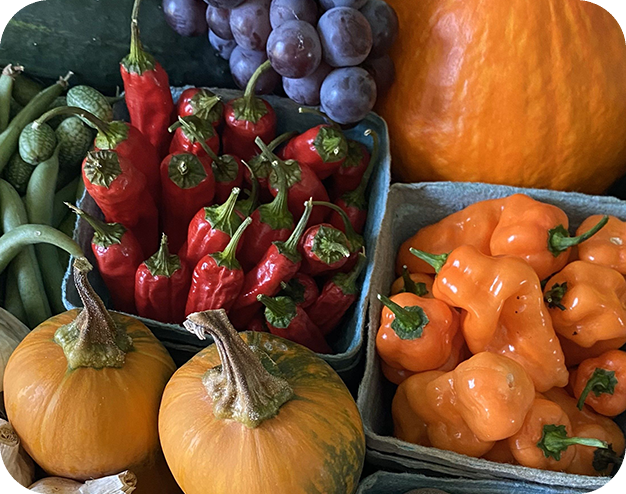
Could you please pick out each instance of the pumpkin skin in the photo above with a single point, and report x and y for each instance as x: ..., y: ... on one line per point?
x: 527, y: 92
x: 314, y: 445
x: 88, y: 423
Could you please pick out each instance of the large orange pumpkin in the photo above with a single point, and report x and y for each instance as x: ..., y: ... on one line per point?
x: 257, y: 414
x: 82, y: 391
x: 519, y: 92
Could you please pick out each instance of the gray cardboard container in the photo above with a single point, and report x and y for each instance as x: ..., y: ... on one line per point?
x: 401, y: 483
x: 346, y: 341
x: 411, y: 207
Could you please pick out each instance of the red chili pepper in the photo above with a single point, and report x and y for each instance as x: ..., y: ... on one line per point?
x: 161, y: 286
x: 287, y: 320
x: 354, y: 203
x: 118, y: 254
x: 302, y: 289
x: 147, y: 89
x: 323, y: 249
x: 270, y: 223
x: 187, y: 185
x: 323, y: 148
x: 247, y: 118
x: 217, y: 278
x: 338, y: 295
x: 121, y: 192
x: 262, y: 167
x: 349, y: 175
x: 187, y: 143
x: 302, y: 183
x: 201, y: 103
x: 258, y: 324
x: 210, y: 230
x: 280, y: 263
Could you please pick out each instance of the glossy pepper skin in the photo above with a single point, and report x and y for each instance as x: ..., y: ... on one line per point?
x: 587, y: 303
x: 286, y: 319
x: 323, y: 148
x: 161, y: 287
x: 302, y: 289
x: 247, y: 118
x: 187, y: 143
x: 118, y: 254
x: 416, y: 334
x: 217, y: 278
x: 279, y: 264
x: 575, y: 354
x: 121, y: 192
x: 350, y: 174
x: 262, y: 166
x: 147, y: 89
x: 201, y: 103
x: 606, y: 248
x: 601, y: 383
x: 187, y: 185
x: 210, y: 230
x: 337, y: 296
x: 501, y: 296
x: 323, y: 249
x: 545, y: 440
x: 536, y: 232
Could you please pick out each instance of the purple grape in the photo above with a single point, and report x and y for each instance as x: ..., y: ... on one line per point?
x: 225, y: 4
x: 223, y: 47
x: 346, y: 37
x: 348, y: 95
x: 243, y: 63
x: 306, y: 91
x: 294, y: 49
x: 292, y: 10
x: 384, y: 23
x: 219, y: 22
x: 250, y: 24
x: 331, y: 4
x: 186, y: 17
x: 383, y: 71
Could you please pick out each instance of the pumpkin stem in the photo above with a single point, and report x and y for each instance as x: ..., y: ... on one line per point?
x: 246, y: 387
x: 93, y: 339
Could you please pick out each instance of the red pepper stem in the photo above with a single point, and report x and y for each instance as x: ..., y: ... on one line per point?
x: 271, y: 304
x: 280, y: 140
x: 319, y: 113
x: 601, y: 382
x: 246, y: 206
x: 137, y: 60
x: 347, y: 282
x: 228, y: 257
x: 559, y: 239
x: 355, y: 240
x: 225, y: 211
x: 280, y: 311
x: 163, y: 263
x: 106, y: 234
x: 101, y: 125
x: 279, y: 207
x: 434, y: 260
x: 249, y: 94
x: 266, y: 152
x: 291, y: 245
x: 190, y: 131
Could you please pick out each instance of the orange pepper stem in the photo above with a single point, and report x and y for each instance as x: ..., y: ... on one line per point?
x: 434, y: 260
x: 409, y: 322
x: 559, y: 239
x: 410, y: 286
x: 554, y: 441
x: 555, y: 295
x: 601, y: 382
x: 602, y: 458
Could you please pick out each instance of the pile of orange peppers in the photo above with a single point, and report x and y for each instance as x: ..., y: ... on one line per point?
x: 503, y: 334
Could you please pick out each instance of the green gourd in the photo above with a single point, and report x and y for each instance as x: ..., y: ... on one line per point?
x: 75, y: 140
x: 93, y: 101
x: 17, y: 173
x: 37, y: 143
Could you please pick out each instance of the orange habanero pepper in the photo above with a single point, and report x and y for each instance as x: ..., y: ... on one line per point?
x: 501, y: 453
x: 545, y: 438
x: 608, y: 247
x: 505, y: 313
x: 601, y: 383
x: 575, y: 354
x: 587, y: 303
x: 421, y: 284
x: 416, y: 333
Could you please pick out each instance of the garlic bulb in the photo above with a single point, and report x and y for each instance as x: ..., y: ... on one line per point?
x: 12, y: 331
x: 122, y: 483
x: 17, y: 462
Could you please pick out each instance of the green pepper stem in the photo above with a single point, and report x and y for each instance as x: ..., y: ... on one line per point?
x: 554, y: 296
x: 554, y: 441
x: 409, y: 322
x: 246, y: 206
x: 559, y: 239
x: 373, y: 159
x: 250, y: 108
x: 105, y: 234
x: 191, y: 131
x: 601, y: 382
x: 280, y: 140
x: 137, y: 60
x: 249, y: 93
x: 273, y: 305
x: 356, y: 241
x: 319, y: 113
x: 266, y: 152
x: 227, y: 258
x: 602, y: 458
x: 278, y: 210
x: 291, y: 245
x: 163, y: 263
x: 225, y: 211
x: 434, y: 260
x: 347, y: 281
x: 410, y: 286
x: 101, y: 125
x: 203, y: 132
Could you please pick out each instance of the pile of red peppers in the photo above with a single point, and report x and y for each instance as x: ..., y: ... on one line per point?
x: 207, y: 208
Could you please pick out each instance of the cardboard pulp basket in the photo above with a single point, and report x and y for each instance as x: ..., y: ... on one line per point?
x: 411, y: 207
x: 347, y: 340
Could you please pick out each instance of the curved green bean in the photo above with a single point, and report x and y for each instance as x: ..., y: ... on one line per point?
x: 13, y: 301
x: 7, y: 78
x: 66, y: 194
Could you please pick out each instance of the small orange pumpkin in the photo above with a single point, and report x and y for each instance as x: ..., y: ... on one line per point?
x: 526, y: 92
x: 271, y: 418
x: 82, y: 391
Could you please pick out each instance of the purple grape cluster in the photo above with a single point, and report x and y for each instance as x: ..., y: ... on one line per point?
x: 331, y: 53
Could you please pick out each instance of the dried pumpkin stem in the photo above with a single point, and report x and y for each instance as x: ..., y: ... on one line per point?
x: 242, y: 388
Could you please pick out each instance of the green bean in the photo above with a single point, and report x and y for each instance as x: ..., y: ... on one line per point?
x: 66, y: 194
x: 9, y: 73
x: 29, y: 279
x: 25, y: 89
x: 40, y: 207
x: 12, y: 242
x: 13, y: 301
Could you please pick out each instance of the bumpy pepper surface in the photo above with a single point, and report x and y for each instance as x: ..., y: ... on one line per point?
x: 607, y: 247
